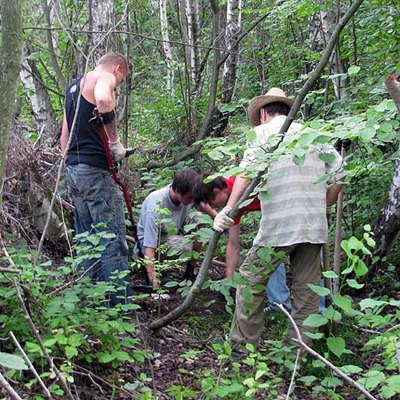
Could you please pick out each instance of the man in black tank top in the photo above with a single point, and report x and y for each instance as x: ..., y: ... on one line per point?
x: 98, y: 200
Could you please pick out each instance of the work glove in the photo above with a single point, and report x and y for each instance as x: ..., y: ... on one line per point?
x: 118, y: 150
x: 160, y: 296
x: 222, y: 221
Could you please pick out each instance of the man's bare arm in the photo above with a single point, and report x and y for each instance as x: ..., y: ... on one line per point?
x: 149, y: 256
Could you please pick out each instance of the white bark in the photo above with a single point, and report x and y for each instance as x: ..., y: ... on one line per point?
x: 42, y: 108
x: 191, y: 8
x: 232, y: 30
x: 328, y: 22
x: 102, y: 19
x: 166, y: 43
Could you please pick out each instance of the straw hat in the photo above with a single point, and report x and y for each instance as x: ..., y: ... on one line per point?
x: 273, y: 95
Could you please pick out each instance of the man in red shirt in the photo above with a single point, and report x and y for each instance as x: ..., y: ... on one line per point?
x: 215, y: 194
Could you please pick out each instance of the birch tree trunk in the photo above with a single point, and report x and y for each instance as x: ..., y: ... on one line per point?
x: 10, y: 58
x: 192, y: 17
x: 101, y: 19
x: 232, y: 46
x: 387, y: 224
x: 328, y: 21
x: 166, y: 43
x: 46, y: 123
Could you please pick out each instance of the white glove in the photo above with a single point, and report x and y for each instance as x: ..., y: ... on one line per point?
x: 222, y: 221
x: 118, y: 150
x: 160, y: 296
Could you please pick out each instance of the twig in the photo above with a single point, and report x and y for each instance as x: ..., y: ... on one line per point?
x: 299, y: 340
x: 31, y: 367
x: 35, y: 331
x: 10, y: 270
x: 296, y: 364
x: 7, y: 387
x: 59, y: 289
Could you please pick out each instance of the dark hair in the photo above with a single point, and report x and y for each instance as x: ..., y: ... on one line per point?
x: 184, y: 181
x: 277, y: 107
x: 204, y: 192
x: 114, y: 59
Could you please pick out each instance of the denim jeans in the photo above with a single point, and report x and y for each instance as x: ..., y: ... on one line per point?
x: 98, y: 199
x: 277, y: 289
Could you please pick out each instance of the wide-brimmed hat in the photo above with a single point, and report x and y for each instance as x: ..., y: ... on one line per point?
x: 273, y: 95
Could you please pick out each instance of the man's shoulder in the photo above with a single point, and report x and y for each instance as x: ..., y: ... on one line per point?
x: 156, y: 195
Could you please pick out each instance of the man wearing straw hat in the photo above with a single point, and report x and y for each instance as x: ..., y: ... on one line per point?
x: 293, y: 217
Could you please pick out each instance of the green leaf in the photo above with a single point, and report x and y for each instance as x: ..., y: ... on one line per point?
x: 343, y: 302
x: 321, y: 291
x: 251, y: 135
x: 353, y: 70
x: 354, y: 284
x: 372, y: 379
x: 330, y: 274
x: 336, y: 345
x: 315, y: 320
x: 350, y: 369
x: 371, y: 303
x: 332, y: 314
x: 327, y: 158
x: 12, y: 361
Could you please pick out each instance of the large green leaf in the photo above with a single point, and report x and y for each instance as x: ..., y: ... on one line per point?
x: 336, y: 345
x: 12, y: 361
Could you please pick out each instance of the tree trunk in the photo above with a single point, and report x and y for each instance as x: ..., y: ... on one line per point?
x: 46, y: 123
x: 10, y: 58
x: 166, y: 43
x: 387, y: 224
x: 101, y: 19
x: 328, y: 20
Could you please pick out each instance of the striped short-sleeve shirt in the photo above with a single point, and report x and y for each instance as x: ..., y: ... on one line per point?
x: 295, y: 208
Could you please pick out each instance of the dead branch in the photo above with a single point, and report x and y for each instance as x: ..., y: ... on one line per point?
x: 46, y: 355
x: 7, y: 387
x: 10, y: 270
x: 30, y: 365
x: 198, y: 284
x: 309, y: 350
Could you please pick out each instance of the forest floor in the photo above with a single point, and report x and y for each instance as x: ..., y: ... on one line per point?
x: 185, y: 355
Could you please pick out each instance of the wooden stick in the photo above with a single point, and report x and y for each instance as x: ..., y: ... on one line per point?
x: 299, y: 340
x: 7, y: 387
x: 30, y: 365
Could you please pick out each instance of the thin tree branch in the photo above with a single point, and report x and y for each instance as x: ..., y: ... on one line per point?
x: 7, y: 387
x: 46, y: 355
x: 30, y: 365
x: 299, y: 341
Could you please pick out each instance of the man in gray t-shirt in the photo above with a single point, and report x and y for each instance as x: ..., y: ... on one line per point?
x: 152, y: 228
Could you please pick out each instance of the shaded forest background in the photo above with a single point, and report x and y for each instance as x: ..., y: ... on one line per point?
x: 195, y: 65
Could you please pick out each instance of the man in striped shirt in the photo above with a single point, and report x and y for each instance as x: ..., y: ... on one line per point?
x: 293, y: 216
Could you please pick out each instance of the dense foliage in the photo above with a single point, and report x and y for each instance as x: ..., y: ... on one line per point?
x: 190, y: 102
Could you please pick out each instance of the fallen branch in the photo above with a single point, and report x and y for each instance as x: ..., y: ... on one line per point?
x: 309, y: 350
x: 10, y: 271
x: 198, y: 284
x: 46, y: 355
x: 30, y: 365
x: 7, y: 387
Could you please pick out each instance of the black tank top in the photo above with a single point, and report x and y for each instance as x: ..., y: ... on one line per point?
x: 86, y: 146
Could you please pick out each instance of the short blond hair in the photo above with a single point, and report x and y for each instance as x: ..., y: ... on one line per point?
x: 114, y: 59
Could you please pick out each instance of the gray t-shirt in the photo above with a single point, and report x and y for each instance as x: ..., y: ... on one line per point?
x: 151, y: 229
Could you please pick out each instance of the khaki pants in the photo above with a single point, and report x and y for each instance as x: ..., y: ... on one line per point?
x: 248, y: 320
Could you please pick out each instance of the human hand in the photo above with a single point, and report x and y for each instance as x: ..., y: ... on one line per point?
x: 118, y: 150
x: 222, y: 221
x: 160, y: 296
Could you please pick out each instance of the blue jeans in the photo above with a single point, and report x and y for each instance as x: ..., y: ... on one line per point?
x: 278, y: 291
x: 98, y: 199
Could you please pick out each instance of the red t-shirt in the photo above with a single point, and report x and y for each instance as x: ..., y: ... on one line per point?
x: 253, y: 206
